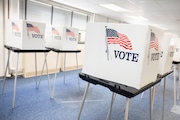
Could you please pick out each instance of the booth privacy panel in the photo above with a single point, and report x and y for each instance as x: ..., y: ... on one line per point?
x: 62, y: 38
x: 176, y: 56
x: 122, y: 53
x: 24, y: 34
x: 166, y: 53
x: 54, y: 36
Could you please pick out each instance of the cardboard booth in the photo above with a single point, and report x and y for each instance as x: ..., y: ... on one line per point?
x: 70, y: 38
x: 54, y: 36
x: 65, y: 38
x: 123, y: 53
x: 176, y: 56
x: 166, y: 53
x: 24, y: 34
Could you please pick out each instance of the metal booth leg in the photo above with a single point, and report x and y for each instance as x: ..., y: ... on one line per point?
x: 164, y: 94
x: 54, y: 84
x: 110, y: 109
x: 64, y: 66
x: 42, y: 69
x: 153, y: 95
x: 179, y: 83
x: 77, y: 70
x: 83, y: 100
x: 45, y: 62
x: 6, y: 72
x: 127, y: 109
x: 150, y: 105
x: 36, y: 68
x: 45, y: 59
x: 174, y: 85
x: 15, y: 80
x: 142, y: 94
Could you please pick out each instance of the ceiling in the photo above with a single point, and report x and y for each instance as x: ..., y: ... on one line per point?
x: 161, y: 13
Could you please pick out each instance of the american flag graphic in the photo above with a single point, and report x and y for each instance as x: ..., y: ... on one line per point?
x: 172, y: 47
x: 55, y: 32
x: 30, y: 27
x: 69, y: 33
x: 15, y: 27
x: 113, y: 37
x: 154, y: 41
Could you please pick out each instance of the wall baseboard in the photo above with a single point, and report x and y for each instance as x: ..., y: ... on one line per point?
x: 32, y: 74
x: 72, y: 68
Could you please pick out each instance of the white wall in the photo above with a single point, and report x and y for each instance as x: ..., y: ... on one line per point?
x: 14, y: 14
x: 1, y: 38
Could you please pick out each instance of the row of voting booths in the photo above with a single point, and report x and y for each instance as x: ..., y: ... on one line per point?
x: 127, y: 59
x: 132, y: 55
x: 121, y: 54
x: 24, y: 34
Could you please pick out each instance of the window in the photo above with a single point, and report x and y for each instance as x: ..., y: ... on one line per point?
x: 112, y: 21
x: 79, y: 21
x: 37, y: 11
x: 99, y: 18
x: 61, y: 17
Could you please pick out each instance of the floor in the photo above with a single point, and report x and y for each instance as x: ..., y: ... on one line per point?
x: 35, y: 104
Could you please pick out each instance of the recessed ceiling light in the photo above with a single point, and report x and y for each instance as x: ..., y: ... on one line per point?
x: 113, y: 7
x: 138, y: 18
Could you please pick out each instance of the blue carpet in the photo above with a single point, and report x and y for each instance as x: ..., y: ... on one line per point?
x: 35, y: 104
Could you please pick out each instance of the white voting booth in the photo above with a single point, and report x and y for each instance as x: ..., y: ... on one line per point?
x: 122, y: 53
x: 54, y: 36
x: 176, y: 59
x: 24, y: 34
x: 176, y: 56
x: 62, y: 38
x: 166, y: 53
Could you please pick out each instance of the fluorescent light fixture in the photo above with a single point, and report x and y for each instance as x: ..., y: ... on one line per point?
x: 40, y: 2
x: 138, y: 18
x: 113, y: 7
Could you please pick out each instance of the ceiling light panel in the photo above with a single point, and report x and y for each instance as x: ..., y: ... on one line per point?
x: 113, y: 7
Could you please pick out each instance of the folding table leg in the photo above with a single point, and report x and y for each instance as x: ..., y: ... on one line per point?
x: 45, y: 62
x: 42, y: 69
x: 174, y: 85
x: 64, y: 66
x: 110, y: 109
x: 153, y: 95
x: 45, y: 59
x: 83, y: 100
x: 77, y: 70
x: 36, y: 68
x: 164, y: 94
x: 54, y: 84
x: 127, y: 109
x: 142, y: 94
x: 15, y: 80
x: 6, y: 71
x: 150, y: 105
x: 179, y: 83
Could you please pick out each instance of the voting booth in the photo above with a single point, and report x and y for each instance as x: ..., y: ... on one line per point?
x: 70, y: 37
x: 176, y: 56
x: 62, y: 38
x: 24, y: 34
x: 54, y: 37
x: 122, y: 53
x: 166, y: 53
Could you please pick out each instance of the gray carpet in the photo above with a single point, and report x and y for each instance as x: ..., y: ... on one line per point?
x: 35, y: 104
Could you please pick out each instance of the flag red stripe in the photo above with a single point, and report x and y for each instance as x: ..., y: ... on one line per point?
x: 154, y: 44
